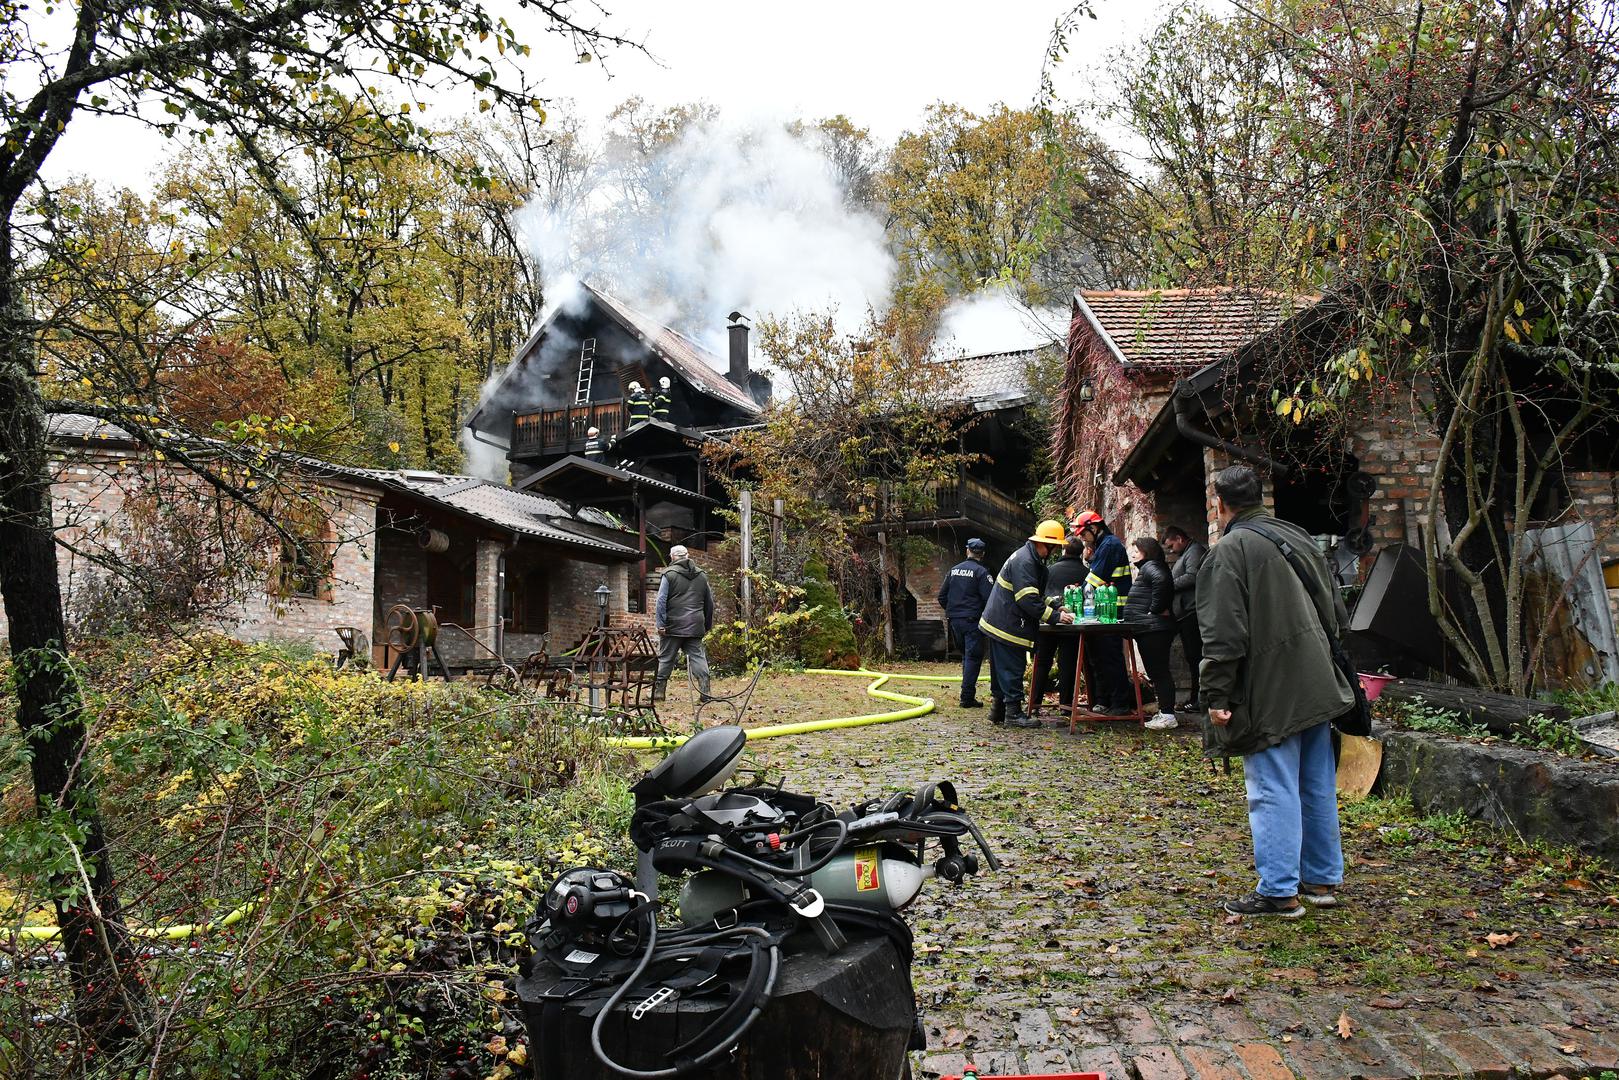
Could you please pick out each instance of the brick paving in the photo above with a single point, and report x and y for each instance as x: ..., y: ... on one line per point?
x: 1100, y: 947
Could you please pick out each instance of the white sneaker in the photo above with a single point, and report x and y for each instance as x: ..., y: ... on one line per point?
x: 1162, y: 722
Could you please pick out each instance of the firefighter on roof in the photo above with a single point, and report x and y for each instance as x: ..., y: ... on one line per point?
x: 640, y: 403
x: 661, y: 403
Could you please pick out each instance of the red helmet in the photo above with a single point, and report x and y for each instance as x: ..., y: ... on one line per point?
x: 1086, y: 518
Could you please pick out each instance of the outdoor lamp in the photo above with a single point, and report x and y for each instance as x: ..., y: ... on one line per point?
x: 602, y: 593
x: 1086, y: 391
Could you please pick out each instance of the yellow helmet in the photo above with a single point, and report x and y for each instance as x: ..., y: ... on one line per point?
x: 1049, y: 532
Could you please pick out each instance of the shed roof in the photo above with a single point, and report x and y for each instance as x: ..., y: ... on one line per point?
x: 1181, y: 330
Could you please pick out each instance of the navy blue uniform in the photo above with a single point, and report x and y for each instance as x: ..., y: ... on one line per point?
x: 1110, y: 565
x: 963, y: 595
x: 1016, y: 609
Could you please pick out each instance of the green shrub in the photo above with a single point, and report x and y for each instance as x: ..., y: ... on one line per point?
x: 829, y: 640
x: 1418, y: 715
x: 375, y: 849
x: 1544, y: 733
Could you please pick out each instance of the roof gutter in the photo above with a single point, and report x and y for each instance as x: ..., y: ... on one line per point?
x: 1194, y: 434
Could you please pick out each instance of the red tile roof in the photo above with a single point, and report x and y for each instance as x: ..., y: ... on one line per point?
x: 1184, y: 329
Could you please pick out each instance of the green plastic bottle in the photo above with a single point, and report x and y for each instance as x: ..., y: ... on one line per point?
x: 1112, y: 603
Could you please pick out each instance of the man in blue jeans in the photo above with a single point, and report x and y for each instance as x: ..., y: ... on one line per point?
x: 1273, y: 691
x: 962, y: 596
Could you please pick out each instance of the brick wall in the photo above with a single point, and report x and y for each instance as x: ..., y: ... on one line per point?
x: 89, y: 509
x: 1398, y: 447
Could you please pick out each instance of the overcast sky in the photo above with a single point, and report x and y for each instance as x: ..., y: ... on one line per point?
x: 880, y: 63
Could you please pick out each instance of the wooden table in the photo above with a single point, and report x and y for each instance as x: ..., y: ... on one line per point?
x: 1127, y: 633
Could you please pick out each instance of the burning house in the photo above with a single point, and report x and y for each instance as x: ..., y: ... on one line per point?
x: 561, y: 412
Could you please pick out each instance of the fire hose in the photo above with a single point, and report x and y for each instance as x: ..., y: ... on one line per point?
x: 914, y: 707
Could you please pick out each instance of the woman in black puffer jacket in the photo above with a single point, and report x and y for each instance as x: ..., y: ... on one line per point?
x: 1146, y: 609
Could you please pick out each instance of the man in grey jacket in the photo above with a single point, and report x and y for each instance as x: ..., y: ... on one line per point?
x: 1273, y: 691
x: 1183, y: 609
x: 685, y: 614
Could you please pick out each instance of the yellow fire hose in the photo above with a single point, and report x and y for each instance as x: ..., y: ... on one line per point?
x: 151, y: 933
x: 914, y: 707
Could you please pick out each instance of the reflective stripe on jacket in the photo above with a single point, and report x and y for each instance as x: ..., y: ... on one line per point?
x: 1018, y: 603
x: 1110, y: 565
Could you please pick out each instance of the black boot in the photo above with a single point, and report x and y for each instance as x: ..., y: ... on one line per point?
x: 1016, y: 717
x: 997, y: 711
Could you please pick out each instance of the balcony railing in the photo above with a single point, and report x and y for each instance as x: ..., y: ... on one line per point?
x: 971, y: 501
x: 563, y: 431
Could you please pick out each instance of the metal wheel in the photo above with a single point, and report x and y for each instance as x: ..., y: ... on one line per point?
x: 402, y: 627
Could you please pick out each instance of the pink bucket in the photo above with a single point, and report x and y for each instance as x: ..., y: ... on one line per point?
x: 1373, y: 684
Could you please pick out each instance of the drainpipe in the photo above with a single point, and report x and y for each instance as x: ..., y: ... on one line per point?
x: 1183, y: 424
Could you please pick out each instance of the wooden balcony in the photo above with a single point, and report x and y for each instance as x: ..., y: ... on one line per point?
x: 563, y: 431
x: 969, y: 503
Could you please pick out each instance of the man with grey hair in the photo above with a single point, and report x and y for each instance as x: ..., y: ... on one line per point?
x: 1273, y: 690
x: 685, y: 614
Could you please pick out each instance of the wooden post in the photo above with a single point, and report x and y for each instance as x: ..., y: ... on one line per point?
x: 779, y: 515
x: 745, y: 509
x: 882, y: 575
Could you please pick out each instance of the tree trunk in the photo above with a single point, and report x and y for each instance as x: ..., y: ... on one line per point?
x: 108, y: 987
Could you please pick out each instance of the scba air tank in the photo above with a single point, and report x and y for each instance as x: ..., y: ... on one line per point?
x: 871, y: 878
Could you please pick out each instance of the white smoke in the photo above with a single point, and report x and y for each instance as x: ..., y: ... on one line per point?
x: 746, y: 218
x: 995, y: 320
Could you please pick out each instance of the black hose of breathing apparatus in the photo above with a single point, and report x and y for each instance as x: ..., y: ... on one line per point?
x: 753, y: 996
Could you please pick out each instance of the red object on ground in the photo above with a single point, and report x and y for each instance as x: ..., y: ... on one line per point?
x: 1029, y: 1076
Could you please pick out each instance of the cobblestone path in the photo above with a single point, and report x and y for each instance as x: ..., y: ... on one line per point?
x: 1101, y: 946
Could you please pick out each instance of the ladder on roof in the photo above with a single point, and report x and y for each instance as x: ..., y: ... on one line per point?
x: 587, y: 367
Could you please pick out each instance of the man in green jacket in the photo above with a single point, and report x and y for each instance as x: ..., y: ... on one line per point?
x: 1272, y: 691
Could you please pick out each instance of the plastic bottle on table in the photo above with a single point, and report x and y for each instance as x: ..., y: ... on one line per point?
x: 1088, y: 609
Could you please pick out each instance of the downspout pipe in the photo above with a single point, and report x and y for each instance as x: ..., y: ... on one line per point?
x: 1192, y: 433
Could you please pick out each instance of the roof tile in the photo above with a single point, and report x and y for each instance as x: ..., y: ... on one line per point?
x: 1184, y: 329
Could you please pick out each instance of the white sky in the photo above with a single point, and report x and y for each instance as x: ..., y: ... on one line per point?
x: 880, y: 63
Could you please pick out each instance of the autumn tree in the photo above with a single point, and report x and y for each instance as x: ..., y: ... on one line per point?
x: 862, y: 437
x: 243, y: 72
x: 970, y: 201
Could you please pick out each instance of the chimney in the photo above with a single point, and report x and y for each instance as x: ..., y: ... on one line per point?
x: 739, y: 350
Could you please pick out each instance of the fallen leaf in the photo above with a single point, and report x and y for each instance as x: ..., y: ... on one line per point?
x: 1233, y: 920
x: 1501, y: 941
x: 1229, y: 997
x: 1345, y: 1028
x: 1570, y: 1048
x: 1287, y: 1038
x: 953, y: 1038
x: 1111, y: 949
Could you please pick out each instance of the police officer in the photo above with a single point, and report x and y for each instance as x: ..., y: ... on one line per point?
x: 640, y: 404
x: 1017, y: 606
x: 963, y: 594
x: 593, y: 444
x: 1110, y: 565
x: 661, y: 403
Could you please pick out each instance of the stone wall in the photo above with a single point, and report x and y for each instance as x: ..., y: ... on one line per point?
x: 1535, y: 794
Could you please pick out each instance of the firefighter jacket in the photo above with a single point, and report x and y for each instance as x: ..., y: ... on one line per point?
x: 640, y: 407
x: 660, y: 405
x: 1018, y: 604
x: 966, y: 590
x: 1110, y: 565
